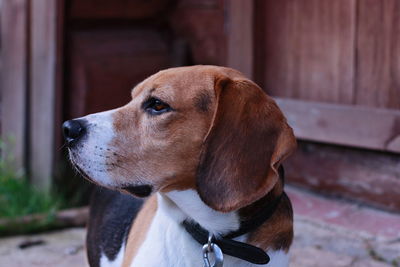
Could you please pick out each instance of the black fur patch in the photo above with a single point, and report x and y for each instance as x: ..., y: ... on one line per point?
x: 111, y: 217
x: 139, y: 190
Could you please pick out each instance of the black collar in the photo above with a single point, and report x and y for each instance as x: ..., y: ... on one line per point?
x: 234, y: 248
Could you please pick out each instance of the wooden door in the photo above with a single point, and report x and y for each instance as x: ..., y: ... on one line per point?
x: 334, y: 69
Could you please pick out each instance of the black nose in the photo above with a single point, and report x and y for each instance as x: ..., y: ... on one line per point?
x: 73, y: 130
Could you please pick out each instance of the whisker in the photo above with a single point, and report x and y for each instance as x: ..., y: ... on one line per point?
x: 64, y: 145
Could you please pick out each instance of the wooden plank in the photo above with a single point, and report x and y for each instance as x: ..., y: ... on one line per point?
x: 369, y: 177
x: 356, y: 126
x: 309, y: 49
x: 43, y: 22
x: 117, y: 9
x: 75, y: 217
x: 240, y: 36
x: 378, y: 54
x: 13, y: 81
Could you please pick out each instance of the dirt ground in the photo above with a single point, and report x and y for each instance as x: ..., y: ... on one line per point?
x: 317, y: 243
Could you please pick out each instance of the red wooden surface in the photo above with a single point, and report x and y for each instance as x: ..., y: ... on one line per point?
x: 106, y: 65
x: 329, y: 51
x: 117, y: 9
x: 343, y: 53
x: 378, y: 54
x: 344, y: 124
x: 201, y: 25
x: 305, y: 49
x: 239, y: 30
x: 110, y: 50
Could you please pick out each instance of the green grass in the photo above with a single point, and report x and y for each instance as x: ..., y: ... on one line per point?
x: 19, y: 198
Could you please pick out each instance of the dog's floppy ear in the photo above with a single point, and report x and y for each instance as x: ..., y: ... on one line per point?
x: 247, y: 141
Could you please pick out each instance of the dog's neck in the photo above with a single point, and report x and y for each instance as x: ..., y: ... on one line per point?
x: 186, y: 204
x: 181, y: 205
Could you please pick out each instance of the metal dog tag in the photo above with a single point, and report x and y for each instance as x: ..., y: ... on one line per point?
x: 211, y: 247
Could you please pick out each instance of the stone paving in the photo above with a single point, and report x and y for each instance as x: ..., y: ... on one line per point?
x: 319, y: 244
x: 322, y: 239
x: 62, y: 249
x: 337, y: 233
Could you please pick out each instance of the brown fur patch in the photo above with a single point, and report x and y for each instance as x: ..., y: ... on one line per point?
x: 139, y: 229
x: 277, y: 232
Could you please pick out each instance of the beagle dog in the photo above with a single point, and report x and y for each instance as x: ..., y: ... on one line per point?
x: 200, y: 148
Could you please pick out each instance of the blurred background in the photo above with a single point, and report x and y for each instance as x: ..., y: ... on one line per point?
x: 333, y: 67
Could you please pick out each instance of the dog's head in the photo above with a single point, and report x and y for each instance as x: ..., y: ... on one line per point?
x: 203, y: 127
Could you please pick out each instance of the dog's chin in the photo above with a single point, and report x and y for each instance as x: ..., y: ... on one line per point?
x: 138, y: 190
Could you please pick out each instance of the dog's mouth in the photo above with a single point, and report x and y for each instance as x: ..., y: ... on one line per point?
x: 138, y: 190
x: 141, y: 191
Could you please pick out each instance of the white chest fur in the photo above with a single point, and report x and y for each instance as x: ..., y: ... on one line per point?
x: 168, y: 245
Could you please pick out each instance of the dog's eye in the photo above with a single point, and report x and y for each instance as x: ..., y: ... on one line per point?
x: 155, y: 106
